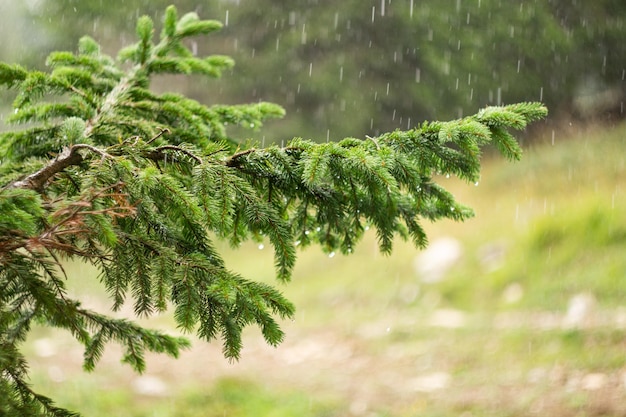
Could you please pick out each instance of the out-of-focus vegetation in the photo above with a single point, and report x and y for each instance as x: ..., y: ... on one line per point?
x: 362, y: 67
x: 530, y: 319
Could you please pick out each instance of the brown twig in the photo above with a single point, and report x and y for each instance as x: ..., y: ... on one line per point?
x: 222, y: 149
x: 37, y: 180
x: 158, y: 135
x: 68, y: 157
x: 232, y: 161
x: 157, y: 152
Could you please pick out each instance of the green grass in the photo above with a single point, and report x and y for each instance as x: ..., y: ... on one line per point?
x: 555, y: 227
x: 233, y: 397
x: 555, y: 259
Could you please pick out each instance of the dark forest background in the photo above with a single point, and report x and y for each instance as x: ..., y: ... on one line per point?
x: 358, y: 67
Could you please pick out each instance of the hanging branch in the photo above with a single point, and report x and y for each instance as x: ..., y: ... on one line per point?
x: 151, y: 232
x: 68, y: 157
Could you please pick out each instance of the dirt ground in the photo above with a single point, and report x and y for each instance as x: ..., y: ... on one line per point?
x: 376, y: 367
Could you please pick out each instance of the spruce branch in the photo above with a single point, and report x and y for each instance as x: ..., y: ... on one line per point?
x: 162, y: 131
x: 157, y: 154
x: 150, y: 229
x: 68, y: 157
x: 232, y: 160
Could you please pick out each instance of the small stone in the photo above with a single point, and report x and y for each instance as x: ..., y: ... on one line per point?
x: 579, y: 310
x: 513, y: 293
x: 593, y: 382
x: 431, y: 382
x: 45, y: 347
x: 150, y: 386
x: 434, y: 262
x: 448, y: 318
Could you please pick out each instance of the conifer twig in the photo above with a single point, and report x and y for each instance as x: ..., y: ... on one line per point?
x: 373, y: 140
x: 159, y: 151
x: 68, y: 157
x: 232, y: 160
x: 158, y: 135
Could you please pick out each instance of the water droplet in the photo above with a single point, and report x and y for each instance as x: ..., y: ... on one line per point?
x: 367, y: 228
x: 317, y: 229
x: 261, y: 246
x: 331, y: 255
x: 306, y: 232
x: 451, y: 208
x: 297, y: 242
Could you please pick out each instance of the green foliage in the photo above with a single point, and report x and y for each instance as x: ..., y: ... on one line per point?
x: 140, y: 184
x: 236, y: 397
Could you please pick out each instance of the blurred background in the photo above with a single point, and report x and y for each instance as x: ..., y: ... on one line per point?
x: 520, y: 311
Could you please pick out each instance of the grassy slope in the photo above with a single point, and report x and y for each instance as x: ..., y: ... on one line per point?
x: 546, y: 229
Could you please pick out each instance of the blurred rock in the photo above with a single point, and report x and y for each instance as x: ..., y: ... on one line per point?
x: 430, y: 382
x: 620, y: 317
x: 432, y: 264
x: 448, y: 318
x: 593, y: 382
x: 579, y: 310
x: 150, y: 386
x: 45, y: 347
x: 513, y: 293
